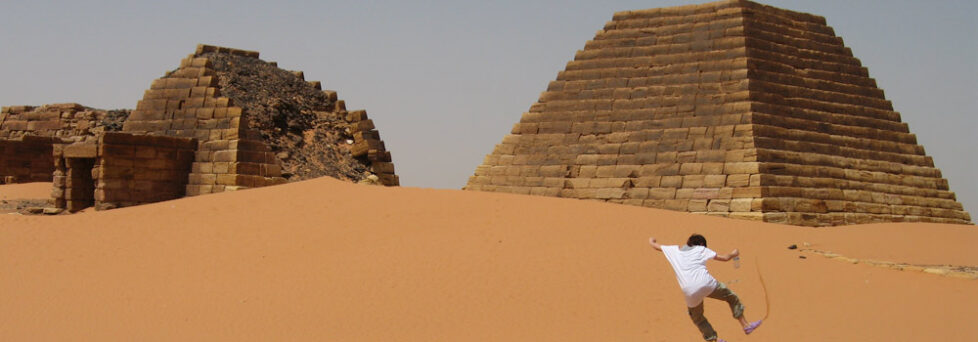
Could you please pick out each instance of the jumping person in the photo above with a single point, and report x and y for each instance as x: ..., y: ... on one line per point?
x: 689, y: 263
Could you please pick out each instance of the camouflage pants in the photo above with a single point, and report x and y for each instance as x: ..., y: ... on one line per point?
x: 722, y: 293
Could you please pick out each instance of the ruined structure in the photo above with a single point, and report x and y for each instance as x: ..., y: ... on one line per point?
x: 28, y: 134
x: 224, y: 120
x: 730, y: 108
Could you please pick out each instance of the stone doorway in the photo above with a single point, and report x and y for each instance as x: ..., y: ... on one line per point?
x: 79, y: 184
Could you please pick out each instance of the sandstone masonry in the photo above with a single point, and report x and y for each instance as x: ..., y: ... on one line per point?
x: 731, y: 109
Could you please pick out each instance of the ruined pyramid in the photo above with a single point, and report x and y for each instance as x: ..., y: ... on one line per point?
x: 257, y: 124
x: 223, y: 120
x: 730, y: 108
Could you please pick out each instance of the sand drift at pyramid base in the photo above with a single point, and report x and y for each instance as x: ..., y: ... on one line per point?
x: 730, y: 108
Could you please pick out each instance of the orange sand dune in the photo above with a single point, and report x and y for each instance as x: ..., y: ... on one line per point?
x: 39, y: 190
x: 326, y: 260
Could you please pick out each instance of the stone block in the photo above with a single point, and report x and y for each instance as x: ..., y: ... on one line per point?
x: 714, y: 180
x: 553, y: 171
x: 54, y: 124
x: 741, y: 168
x: 671, y: 181
x: 647, y: 182
x: 752, y: 216
x: 382, y: 167
x: 719, y: 205
x: 735, y: 181
x: 747, y: 192
x: 80, y: 150
x: 606, y: 171
x: 220, y: 167
x: 705, y: 193
x: 610, y: 193
x: 638, y: 193
x: 758, y: 180
x: 696, y: 205
x: 686, y: 157
x: 610, y: 183
x: 740, y: 204
x: 229, y: 156
x: 676, y: 204
x: 361, y: 126
x: 356, y: 116
x: 662, y: 193
x: 362, y: 147
x: 693, y: 181
x: 684, y: 193
x: 626, y: 171
x: 250, y: 168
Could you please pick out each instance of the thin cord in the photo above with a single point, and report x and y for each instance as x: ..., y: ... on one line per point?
x: 767, y: 302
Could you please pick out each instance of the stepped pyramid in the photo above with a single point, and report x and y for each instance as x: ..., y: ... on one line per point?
x: 258, y: 125
x: 730, y: 108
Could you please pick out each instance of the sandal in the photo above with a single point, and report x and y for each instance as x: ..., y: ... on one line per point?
x: 751, y: 327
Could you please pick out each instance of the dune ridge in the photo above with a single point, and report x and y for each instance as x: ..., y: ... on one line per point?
x: 328, y: 260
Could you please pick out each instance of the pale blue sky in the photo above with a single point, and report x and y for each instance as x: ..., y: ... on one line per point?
x: 445, y: 80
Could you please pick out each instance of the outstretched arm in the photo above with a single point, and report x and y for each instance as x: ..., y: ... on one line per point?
x: 655, y: 245
x: 726, y: 257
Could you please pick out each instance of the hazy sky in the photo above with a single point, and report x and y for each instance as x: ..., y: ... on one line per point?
x: 444, y: 81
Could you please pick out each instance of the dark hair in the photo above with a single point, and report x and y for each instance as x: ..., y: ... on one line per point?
x: 696, y: 240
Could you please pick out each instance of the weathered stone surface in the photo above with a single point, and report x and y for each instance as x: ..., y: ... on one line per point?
x: 258, y: 125
x: 737, y: 109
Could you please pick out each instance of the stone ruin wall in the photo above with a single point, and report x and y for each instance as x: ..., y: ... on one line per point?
x: 730, y: 109
x: 121, y: 170
x: 26, y: 159
x: 27, y: 134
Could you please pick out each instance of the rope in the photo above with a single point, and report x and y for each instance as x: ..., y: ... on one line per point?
x: 767, y: 301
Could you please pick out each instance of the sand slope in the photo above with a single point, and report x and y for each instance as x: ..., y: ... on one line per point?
x: 37, y: 190
x: 326, y: 260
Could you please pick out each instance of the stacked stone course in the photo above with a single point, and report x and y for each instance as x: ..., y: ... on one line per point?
x: 26, y: 159
x: 63, y: 120
x: 120, y: 170
x: 367, y: 145
x: 731, y: 109
x: 27, y: 134
x: 188, y: 103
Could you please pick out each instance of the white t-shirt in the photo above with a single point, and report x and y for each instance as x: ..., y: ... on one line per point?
x: 690, y: 266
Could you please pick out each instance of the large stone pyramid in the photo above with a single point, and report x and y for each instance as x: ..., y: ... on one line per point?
x: 729, y: 108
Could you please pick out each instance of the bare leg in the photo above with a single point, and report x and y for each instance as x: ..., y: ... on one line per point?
x: 743, y: 321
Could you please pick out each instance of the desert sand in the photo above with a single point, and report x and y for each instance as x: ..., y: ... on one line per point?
x: 38, y: 190
x: 328, y: 260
